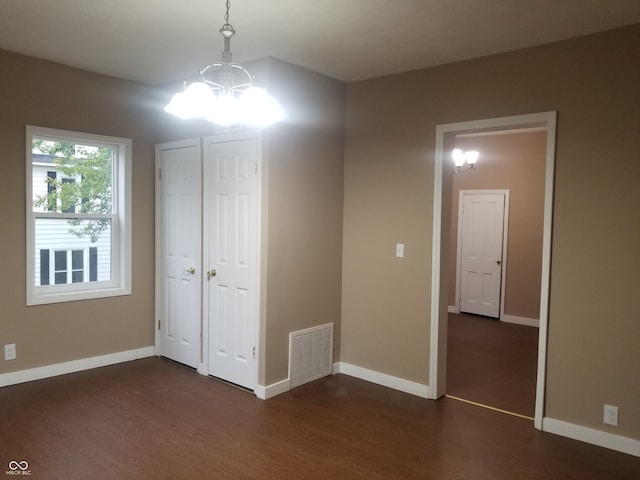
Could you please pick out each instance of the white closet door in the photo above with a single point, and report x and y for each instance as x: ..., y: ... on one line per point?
x: 178, y: 232
x: 231, y: 258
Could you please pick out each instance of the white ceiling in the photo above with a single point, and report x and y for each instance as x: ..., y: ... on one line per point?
x: 158, y: 41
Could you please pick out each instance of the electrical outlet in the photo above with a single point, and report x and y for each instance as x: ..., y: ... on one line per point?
x: 611, y: 415
x: 10, y: 351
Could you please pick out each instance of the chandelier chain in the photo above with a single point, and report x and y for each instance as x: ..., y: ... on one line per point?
x: 226, y: 15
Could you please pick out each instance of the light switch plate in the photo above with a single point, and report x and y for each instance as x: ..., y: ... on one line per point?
x: 10, y: 351
x: 400, y: 250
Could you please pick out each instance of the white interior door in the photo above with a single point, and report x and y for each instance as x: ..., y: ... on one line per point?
x: 481, y: 235
x: 179, y: 250
x: 231, y: 258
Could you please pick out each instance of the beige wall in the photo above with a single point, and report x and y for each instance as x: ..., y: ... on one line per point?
x: 50, y: 95
x: 301, y: 208
x: 514, y: 162
x: 304, y: 199
x: 593, y: 83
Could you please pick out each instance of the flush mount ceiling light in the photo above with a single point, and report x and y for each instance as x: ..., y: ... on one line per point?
x: 469, y: 157
x: 226, y: 93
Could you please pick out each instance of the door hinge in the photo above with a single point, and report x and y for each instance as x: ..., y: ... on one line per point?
x: 158, y: 324
x: 254, y: 352
x: 255, y: 168
x: 159, y: 174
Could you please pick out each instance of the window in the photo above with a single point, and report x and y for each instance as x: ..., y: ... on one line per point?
x: 78, y: 216
x: 61, y: 271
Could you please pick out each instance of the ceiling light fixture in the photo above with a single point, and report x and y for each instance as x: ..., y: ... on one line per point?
x: 469, y: 157
x: 226, y: 93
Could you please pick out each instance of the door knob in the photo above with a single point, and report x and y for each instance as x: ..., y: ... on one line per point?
x: 190, y: 270
x: 211, y: 273
x: 498, y: 262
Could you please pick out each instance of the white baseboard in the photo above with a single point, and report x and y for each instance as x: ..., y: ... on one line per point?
x: 383, y: 379
x: 272, y: 390
x: 591, y: 435
x: 529, y: 322
x: 47, y: 371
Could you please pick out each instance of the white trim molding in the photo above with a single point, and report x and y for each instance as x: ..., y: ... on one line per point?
x: 266, y: 392
x: 383, y: 379
x: 528, y: 322
x: 618, y: 443
x: 38, y: 373
x: 543, y: 120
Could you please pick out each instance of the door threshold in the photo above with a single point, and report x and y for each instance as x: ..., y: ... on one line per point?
x: 488, y: 407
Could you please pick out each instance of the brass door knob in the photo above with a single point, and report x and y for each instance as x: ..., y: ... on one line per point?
x: 190, y: 270
x: 211, y: 273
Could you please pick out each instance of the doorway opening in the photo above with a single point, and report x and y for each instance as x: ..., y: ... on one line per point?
x: 495, y: 273
x: 442, y: 230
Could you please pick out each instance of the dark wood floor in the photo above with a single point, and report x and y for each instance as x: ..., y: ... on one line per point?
x: 153, y: 419
x: 492, y: 362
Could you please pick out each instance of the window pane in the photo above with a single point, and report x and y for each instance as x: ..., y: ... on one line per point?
x: 60, y: 267
x: 61, y: 261
x: 70, y: 177
x: 77, y: 259
x: 63, y: 235
x: 77, y: 277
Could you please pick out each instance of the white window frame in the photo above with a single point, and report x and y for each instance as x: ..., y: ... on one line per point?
x: 120, y: 283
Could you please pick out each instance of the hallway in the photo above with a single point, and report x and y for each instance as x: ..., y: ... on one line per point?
x: 492, y: 363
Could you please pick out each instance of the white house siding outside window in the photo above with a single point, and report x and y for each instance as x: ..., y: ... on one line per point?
x: 79, y: 222
x: 59, y: 256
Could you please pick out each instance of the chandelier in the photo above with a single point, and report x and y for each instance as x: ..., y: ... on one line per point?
x: 226, y: 93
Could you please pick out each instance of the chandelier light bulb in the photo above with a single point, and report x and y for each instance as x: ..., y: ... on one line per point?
x: 224, y: 111
x: 258, y: 108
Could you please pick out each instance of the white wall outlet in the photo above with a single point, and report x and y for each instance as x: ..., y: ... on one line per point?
x: 611, y: 415
x: 10, y: 351
x: 400, y: 250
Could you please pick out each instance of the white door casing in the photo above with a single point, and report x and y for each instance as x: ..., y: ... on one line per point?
x: 178, y: 251
x: 437, y: 352
x: 481, y: 236
x: 230, y: 223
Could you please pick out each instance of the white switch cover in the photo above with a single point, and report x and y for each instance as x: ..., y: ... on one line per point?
x: 400, y: 250
x: 10, y: 351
